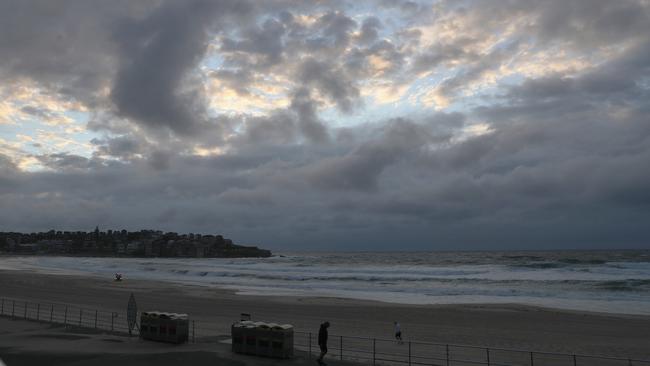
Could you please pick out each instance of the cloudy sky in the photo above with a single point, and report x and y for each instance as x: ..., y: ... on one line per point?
x: 330, y: 124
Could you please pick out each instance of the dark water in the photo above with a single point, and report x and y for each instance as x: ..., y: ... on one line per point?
x: 607, y: 281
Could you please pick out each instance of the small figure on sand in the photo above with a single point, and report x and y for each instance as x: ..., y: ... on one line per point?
x: 118, y: 277
x: 322, y: 342
x: 398, y: 333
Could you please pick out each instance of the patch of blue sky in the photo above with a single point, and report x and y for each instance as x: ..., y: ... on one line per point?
x: 27, y: 126
x: 82, y: 136
x: 370, y: 112
x: 213, y: 61
x: 35, y: 135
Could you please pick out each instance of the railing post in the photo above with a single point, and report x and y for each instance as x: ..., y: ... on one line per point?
x: 374, y: 351
x: 409, y: 352
x: 25, y: 314
x: 575, y: 362
x: 531, y: 359
x: 487, y: 353
x: 309, y: 344
x: 193, y: 331
x: 95, y: 319
x: 51, y: 312
x: 3, y: 307
x: 13, y: 309
x: 81, y: 310
x: 341, y: 347
x: 112, y: 319
x: 447, y: 349
x: 65, y: 316
x: 38, y: 312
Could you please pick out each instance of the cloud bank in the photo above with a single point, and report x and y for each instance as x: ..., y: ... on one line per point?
x: 330, y: 125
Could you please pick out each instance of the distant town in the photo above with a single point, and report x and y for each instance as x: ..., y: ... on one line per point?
x: 122, y: 243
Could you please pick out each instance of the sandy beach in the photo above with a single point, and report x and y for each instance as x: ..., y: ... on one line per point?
x: 504, y: 326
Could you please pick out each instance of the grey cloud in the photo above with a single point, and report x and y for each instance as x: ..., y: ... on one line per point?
x: 38, y: 112
x: 441, y: 53
x: 120, y: 147
x: 336, y: 28
x: 618, y: 79
x: 451, y: 86
x: 247, y: 197
x: 158, y: 54
x: 7, y: 167
x: 332, y: 83
x: 578, y: 25
x: 360, y: 169
x: 238, y: 80
x: 64, y: 161
x: 369, y: 30
x: 160, y: 160
x: 311, y: 127
x: 589, y: 23
x: 565, y: 161
x: 279, y: 129
x: 265, y: 40
x: 63, y: 46
x: 290, y: 126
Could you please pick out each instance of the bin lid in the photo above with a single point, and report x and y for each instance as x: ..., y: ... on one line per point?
x: 165, y: 315
x: 282, y: 327
x: 262, y: 325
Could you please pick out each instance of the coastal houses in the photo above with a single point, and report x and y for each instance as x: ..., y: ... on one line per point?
x: 144, y: 243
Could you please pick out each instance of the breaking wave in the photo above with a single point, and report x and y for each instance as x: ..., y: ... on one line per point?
x: 615, y: 281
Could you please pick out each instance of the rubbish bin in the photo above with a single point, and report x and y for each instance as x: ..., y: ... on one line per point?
x: 164, y: 327
x: 282, y: 341
x: 262, y: 339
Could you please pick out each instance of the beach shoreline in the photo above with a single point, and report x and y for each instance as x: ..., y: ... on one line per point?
x: 486, y: 325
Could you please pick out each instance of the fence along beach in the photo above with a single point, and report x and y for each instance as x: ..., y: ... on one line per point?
x: 213, y: 310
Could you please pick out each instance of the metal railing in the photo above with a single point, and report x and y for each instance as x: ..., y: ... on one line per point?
x: 415, y: 353
x: 383, y: 352
x: 65, y: 314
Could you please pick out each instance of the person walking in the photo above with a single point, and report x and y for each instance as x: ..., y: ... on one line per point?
x: 398, y: 333
x: 322, y: 342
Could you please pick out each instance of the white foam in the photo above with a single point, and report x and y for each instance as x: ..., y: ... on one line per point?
x: 568, y: 287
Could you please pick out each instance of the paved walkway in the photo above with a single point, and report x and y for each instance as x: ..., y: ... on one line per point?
x: 26, y: 343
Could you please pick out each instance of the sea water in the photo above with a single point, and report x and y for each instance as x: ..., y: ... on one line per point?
x: 602, y: 281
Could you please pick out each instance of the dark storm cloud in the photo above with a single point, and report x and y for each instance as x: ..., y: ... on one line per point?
x: 563, y: 164
x: 158, y: 54
x: 361, y: 168
x: 63, y: 45
x: 588, y: 23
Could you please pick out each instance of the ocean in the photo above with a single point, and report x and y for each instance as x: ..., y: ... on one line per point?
x: 601, y: 281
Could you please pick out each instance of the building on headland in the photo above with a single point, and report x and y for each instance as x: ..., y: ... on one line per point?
x: 143, y: 243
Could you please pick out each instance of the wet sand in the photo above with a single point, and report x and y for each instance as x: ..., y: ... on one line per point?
x: 501, y: 326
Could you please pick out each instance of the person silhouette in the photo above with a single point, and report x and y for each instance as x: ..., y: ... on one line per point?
x: 322, y: 341
x: 398, y: 333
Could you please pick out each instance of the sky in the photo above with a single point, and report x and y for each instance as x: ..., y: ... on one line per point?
x: 330, y: 124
